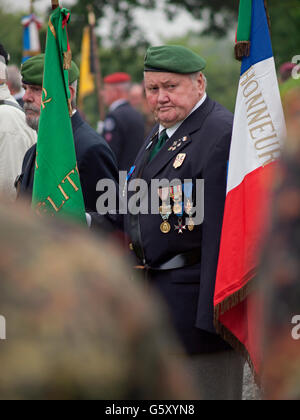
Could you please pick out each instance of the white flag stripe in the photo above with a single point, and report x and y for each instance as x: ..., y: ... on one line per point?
x: 259, y: 125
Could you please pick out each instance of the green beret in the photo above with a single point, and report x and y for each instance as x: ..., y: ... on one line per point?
x: 32, y: 71
x: 173, y: 59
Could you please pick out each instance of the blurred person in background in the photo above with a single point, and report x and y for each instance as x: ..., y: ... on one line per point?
x: 14, y: 83
x: 138, y: 100
x: 285, y: 71
x: 15, y: 135
x: 77, y: 326
x: 123, y: 126
x: 136, y: 96
x: 280, y: 268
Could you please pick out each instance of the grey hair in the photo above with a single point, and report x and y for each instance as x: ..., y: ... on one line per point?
x: 194, y: 77
x: 14, y: 77
x: 3, y: 70
x: 125, y: 87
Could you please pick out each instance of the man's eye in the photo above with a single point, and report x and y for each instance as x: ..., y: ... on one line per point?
x: 172, y: 86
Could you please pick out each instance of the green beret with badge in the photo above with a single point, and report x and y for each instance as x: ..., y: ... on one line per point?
x: 173, y: 59
x: 32, y: 71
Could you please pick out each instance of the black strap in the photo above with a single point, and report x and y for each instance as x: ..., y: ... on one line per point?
x: 179, y: 261
x: 9, y: 103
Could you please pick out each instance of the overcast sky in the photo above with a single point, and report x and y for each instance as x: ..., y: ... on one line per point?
x: 154, y: 23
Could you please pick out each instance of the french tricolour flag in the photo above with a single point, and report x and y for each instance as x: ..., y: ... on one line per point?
x: 258, y: 134
x: 31, y: 41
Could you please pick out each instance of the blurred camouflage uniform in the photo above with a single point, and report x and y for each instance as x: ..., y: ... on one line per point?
x: 77, y: 326
x: 280, y: 272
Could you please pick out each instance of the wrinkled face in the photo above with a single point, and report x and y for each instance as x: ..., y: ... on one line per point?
x: 32, y: 104
x: 172, y: 96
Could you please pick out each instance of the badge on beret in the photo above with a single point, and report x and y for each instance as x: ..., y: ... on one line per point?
x: 179, y: 160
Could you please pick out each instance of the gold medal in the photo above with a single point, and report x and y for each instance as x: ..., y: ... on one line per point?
x: 165, y: 209
x: 165, y: 227
x: 191, y: 225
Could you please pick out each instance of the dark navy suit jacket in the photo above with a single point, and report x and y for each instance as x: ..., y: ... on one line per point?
x: 124, y: 130
x: 189, y: 291
x: 95, y: 161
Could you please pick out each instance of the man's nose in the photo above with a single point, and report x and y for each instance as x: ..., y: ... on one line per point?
x: 27, y: 96
x: 162, y: 96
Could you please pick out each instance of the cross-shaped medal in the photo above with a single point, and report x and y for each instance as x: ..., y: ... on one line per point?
x: 181, y: 227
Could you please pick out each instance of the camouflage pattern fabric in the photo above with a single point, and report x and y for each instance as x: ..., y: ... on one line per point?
x: 77, y: 325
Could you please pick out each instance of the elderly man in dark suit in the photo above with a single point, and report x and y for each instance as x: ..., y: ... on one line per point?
x: 95, y: 159
x: 176, y: 249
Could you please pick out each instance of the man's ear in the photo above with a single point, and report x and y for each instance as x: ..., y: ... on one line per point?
x: 201, y: 84
x: 72, y: 92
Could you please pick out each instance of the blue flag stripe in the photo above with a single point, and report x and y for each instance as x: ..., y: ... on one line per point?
x: 261, y: 47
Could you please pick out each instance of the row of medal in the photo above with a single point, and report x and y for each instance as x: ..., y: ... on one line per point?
x: 179, y: 207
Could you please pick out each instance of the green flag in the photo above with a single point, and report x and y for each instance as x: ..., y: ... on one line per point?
x: 57, y: 188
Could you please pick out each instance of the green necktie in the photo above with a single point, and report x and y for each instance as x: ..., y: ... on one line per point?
x: 160, y: 143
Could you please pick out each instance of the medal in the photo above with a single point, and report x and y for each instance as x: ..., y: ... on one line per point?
x: 188, y: 206
x: 191, y: 225
x: 177, y: 208
x: 165, y: 227
x: 165, y: 210
x: 181, y: 227
x: 176, y: 195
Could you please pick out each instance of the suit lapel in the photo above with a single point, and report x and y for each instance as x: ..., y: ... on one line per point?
x: 144, y: 153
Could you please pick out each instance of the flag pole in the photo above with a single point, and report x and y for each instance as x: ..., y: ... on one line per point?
x: 31, y: 7
x: 92, y: 23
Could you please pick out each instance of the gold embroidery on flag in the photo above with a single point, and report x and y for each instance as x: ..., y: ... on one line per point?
x: 67, y: 60
x: 45, y: 101
x: 52, y: 28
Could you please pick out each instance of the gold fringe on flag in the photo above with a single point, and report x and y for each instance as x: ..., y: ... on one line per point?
x: 229, y: 303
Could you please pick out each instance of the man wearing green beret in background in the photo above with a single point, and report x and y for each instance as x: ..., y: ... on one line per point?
x: 173, y: 245
x: 95, y: 159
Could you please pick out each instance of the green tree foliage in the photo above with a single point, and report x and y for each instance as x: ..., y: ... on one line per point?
x: 285, y: 29
x: 11, y: 34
